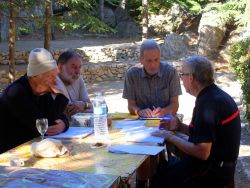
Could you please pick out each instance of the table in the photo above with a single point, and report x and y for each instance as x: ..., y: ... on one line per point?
x: 31, y: 177
x: 83, y: 158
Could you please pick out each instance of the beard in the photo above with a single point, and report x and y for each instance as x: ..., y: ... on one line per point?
x: 66, y: 77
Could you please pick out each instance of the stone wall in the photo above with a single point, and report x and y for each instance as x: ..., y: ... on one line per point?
x: 91, y: 72
x: 100, y: 63
x: 125, y: 52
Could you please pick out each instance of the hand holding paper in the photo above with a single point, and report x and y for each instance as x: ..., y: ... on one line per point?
x: 162, y: 133
x: 172, y: 124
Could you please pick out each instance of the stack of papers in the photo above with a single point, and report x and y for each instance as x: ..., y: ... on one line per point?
x: 136, y: 149
x: 136, y: 131
x: 75, y: 132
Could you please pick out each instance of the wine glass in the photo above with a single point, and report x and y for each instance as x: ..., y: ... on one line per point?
x: 42, y: 126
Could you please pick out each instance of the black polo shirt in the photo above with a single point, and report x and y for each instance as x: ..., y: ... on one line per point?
x: 216, y: 119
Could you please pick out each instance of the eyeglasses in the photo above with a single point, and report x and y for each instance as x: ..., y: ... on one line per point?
x: 183, y: 74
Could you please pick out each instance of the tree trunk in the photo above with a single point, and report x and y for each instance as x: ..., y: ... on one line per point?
x: 101, y: 9
x: 145, y: 19
x: 47, y: 24
x: 12, y: 50
x: 4, y: 26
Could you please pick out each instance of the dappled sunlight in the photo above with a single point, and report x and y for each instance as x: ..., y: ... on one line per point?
x: 186, y: 105
x: 244, y: 150
x: 112, y: 93
x: 244, y: 162
x: 107, y: 87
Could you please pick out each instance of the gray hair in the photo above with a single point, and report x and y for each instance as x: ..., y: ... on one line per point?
x: 149, y: 45
x: 201, y: 68
x: 66, y: 56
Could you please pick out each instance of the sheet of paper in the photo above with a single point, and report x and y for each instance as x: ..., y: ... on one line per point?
x: 138, y: 129
x: 128, y: 129
x: 143, y: 135
x: 144, y: 138
x: 75, y: 132
x: 129, y: 123
x: 136, y: 149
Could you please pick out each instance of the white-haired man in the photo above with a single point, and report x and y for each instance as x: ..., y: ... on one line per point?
x: 214, y: 134
x: 29, y: 98
x: 152, y: 88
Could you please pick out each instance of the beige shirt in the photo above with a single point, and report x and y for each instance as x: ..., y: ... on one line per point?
x: 76, y: 91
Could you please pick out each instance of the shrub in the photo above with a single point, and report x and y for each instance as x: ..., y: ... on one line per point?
x: 240, y: 62
x: 229, y: 12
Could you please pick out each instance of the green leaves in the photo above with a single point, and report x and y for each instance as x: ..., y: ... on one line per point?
x: 240, y: 62
x: 231, y: 11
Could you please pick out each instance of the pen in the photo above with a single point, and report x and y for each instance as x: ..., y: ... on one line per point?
x: 153, y: 110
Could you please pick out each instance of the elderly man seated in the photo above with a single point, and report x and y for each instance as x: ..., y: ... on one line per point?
x: 152, y: 88
x: 214, y: 134
x: 29, y: 98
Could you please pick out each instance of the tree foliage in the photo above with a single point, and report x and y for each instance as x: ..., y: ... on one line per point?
x: 155, y: 6
x: 79, y: 15
x: 240, y: 62
x: 231, y: 11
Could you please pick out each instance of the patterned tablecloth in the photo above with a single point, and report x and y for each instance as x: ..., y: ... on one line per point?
x: 31, y: 177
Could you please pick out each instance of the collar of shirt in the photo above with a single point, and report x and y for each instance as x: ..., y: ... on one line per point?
x: 145, y: 74
x: 204, y: 91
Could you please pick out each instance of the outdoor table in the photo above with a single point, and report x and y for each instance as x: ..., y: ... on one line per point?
x: 84, y: 158
x: 32, y: 177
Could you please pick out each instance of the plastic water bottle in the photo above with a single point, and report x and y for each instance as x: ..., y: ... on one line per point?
x: 100, y: 119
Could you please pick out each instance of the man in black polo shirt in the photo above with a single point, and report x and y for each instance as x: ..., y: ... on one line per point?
x: 214, y: 134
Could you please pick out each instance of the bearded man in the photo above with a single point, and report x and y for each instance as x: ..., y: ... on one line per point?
x: 69, y: 64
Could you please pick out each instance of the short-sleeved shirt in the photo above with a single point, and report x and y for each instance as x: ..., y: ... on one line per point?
x: 216, y: 119
x: 149, y: 91
x: 76, y: 91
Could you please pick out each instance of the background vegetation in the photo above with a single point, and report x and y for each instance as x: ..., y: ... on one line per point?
x: 240, y: 62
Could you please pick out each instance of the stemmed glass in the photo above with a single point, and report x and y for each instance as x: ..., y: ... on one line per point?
x: 42, y: 126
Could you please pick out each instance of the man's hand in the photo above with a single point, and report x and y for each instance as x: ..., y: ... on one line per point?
x: 145, y: 112
x: 75, y: 107
x: 158, y: 112
x: 172, y: 124
x: 57, y: 128
x: 163, y: 134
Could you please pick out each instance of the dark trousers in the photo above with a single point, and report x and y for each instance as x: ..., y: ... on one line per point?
x: 186, y: 173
